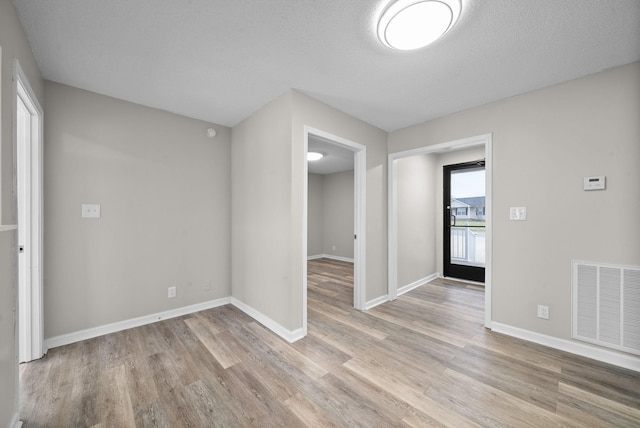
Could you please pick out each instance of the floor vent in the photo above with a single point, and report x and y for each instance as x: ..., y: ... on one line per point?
x: 606, y: 305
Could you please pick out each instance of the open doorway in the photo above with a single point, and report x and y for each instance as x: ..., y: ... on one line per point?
x: 28, y: 170
x: 342, y: 173
x: 436, y: 156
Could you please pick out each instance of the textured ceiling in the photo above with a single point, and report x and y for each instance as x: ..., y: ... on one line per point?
x: 220, y: 61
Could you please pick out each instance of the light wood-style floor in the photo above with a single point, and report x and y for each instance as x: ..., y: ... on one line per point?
x: 422, y: 360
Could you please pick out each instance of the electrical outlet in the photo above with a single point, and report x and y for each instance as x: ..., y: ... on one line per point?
x: 171, y: 292
x: 90, y: 211
x: 543, y: 312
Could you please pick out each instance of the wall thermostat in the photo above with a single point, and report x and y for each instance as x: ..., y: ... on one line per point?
x: 594, y: 183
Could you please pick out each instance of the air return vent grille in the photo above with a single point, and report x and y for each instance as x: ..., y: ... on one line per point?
x: 606, y: 305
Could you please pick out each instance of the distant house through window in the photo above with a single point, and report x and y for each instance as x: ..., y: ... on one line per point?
x: 469, y: 208
x: 461, y: 211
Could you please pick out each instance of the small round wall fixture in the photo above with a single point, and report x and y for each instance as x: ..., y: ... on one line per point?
x: 413, y: 24
x: 211, y: 132
x: 314, y: 156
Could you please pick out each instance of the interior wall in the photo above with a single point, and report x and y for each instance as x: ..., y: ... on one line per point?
x: 337, y: 214
x: 416, y: 208
x: 13, y: 45
x: 164, y: 190
x: 8, y: 350
x: 442, y: 159
x: 262, y: 243
x: 544, y: 143
x: 314, y: 215
x: 313, y: 113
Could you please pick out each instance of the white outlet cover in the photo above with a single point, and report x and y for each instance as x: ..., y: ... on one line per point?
x: 90, y: 211
x: 543, y: 312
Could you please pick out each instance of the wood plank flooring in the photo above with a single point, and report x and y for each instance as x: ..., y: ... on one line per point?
x: 422, y: 360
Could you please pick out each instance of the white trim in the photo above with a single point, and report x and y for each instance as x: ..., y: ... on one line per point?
x: 8, y: 227
x: 332, y: 257
x: 619, y: 359
x: 360, y: 228
x: 90, y: 333
x: 305, y: 226
x: 392, y: 215
x: 66, y: 339
x: 33, y: 232
x: 375, y: 302
x: 15, y: 421
x: 360, y: 216
x: 418, y: 283
x: 288, y: 335
x: 488, y: 220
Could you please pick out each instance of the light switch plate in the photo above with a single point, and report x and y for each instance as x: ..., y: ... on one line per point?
x: 90, y: 211
x: 518, y: 213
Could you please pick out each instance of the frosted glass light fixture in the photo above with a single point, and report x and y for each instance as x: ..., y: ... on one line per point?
x: 412, y: 24
x: 314, y: 156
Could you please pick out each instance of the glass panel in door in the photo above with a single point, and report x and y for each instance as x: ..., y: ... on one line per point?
x: 464, y: 220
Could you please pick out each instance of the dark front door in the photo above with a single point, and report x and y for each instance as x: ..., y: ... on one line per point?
x: 464, y: 220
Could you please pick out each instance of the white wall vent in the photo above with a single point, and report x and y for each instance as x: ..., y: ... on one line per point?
x: 606, y: 305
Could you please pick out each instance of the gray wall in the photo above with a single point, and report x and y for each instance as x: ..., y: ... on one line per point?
x: 337, y: 214
x: 544, y: 143
x: 13, y: 45
x: 8, y: 349
x: 314, y: 215
x: 419, y: 184
x: 263, y: 219
x: 416, y: 218
x: 164, y: 190
x: 330, y: 214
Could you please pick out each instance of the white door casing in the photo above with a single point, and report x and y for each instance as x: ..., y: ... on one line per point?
x: 28, y: 179
x: 360, y: 181
x: 480, y: 140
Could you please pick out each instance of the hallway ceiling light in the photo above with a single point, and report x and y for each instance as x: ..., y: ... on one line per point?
x: 314, y: 156
x: 412, y: 24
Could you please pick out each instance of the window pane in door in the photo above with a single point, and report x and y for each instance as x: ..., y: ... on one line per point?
x: 468, y: 223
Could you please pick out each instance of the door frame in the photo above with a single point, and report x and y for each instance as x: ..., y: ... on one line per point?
x: 449, y: 269
x: 392, y: 215
x: 359, y: 221
x: 30, y: 296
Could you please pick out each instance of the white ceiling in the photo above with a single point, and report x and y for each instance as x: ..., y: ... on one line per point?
x: 336, y: 158
x: 220, y: 60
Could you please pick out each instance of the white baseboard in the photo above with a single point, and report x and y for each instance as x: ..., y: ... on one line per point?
x: 619, y: 359
x: 418, y: 283
x: 375, y: 302
x: 332, y: 257
x: 66, y: 339
x: 90, y: 333
x: 288, y: 335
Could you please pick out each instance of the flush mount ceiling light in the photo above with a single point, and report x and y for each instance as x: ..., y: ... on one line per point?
x: 314, y: 156
x: 412, y: 24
